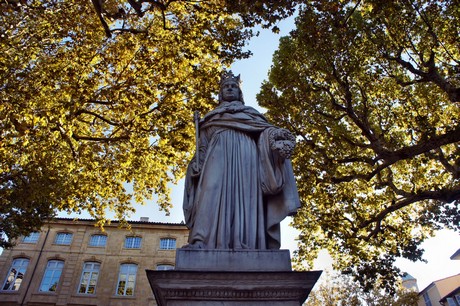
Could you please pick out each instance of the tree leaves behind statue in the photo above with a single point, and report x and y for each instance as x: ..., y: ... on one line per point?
x: 341, y: 290
x: 371, y: 90
x: 97, y: 99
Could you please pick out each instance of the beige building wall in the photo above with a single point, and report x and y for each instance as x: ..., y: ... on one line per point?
x: 439, y: 289
x: 110, y: 257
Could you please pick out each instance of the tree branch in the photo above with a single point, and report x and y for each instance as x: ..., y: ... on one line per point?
x: 100, y: 102
x: 432, y: 75
x: 100, y: 139
x: 391, y: 157
x: 132, y: 31
x: 430, y: 144
x: 97, y: 4
x: 444, y: 195
x: 453, y: 169
x: 83, y: 111
x: 358, y: 3
x: 66, y: 139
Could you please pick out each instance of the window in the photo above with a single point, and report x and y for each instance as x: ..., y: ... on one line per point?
x: 451, y: 301
x: 167, y: 244
x: 165, y: 267
x: 16, y: 274
x: 127, y: 279
x: 52, y: 274
x: 32, y: 238
x: 98, y: 240
x: 89, y: 277
x: 426, y: 297
x: 133, y: 242
x: 63, y: 238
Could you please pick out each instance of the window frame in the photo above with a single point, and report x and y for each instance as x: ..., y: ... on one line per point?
x: 426, y: 298
x: 65, y: 239
x: 126, y: 270
x: 135, y: 244
x: 98, y: 241
x: 166, y: 243
x: 54, y: 278
x: 19, y: 268
x: 32, y: 238
x: 90, y: 271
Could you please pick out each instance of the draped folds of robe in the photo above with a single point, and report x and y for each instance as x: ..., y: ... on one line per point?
x: 243, y: 189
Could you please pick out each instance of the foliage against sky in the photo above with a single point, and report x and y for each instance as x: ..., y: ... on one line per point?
x: 371, y: 89
x: 342, y: 290
x: 97, y: 96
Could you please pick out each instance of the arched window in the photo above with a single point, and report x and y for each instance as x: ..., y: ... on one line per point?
x: 16, y: 274
x: 52, y: 274
x: 89, y: 276
x: 98, y: 240
x: 126, y: 279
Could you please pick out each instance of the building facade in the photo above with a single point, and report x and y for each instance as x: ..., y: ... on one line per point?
x: 441, y: 292
x: 71, y: 262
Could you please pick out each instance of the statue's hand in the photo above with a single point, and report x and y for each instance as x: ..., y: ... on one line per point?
x: 283, y: 141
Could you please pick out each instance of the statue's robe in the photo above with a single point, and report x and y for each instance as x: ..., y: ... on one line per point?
x: 243, y: 189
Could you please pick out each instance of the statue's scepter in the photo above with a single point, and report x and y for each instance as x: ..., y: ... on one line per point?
x: 196, y: 117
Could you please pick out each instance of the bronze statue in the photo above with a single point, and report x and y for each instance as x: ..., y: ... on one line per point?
x: 241, y: 186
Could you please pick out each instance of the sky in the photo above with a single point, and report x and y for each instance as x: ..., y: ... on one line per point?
x: 253, y: 71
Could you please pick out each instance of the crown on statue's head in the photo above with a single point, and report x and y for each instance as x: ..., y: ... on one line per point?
x: 229, y: 76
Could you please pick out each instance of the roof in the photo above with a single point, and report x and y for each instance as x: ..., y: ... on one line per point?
x: 450, y: 294
x: 117, y: 221
x: 456, y: 255
x: 406, y: 276
x: 435, y: 282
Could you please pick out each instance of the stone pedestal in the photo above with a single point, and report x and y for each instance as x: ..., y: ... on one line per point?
x: 232, y: 260
x: 231, y: 278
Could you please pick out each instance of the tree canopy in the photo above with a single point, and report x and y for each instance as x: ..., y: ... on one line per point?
x: 97, y: 98
x: 342, y: 290
x: 371, y: 89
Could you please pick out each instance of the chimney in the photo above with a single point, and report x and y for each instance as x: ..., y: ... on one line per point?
x: 144, y: 219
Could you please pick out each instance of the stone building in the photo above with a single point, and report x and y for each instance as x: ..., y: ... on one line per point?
x: 71, y: 262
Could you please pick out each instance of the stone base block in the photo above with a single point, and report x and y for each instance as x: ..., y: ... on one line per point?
x: 233, y: 260
x: 217, y: 288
